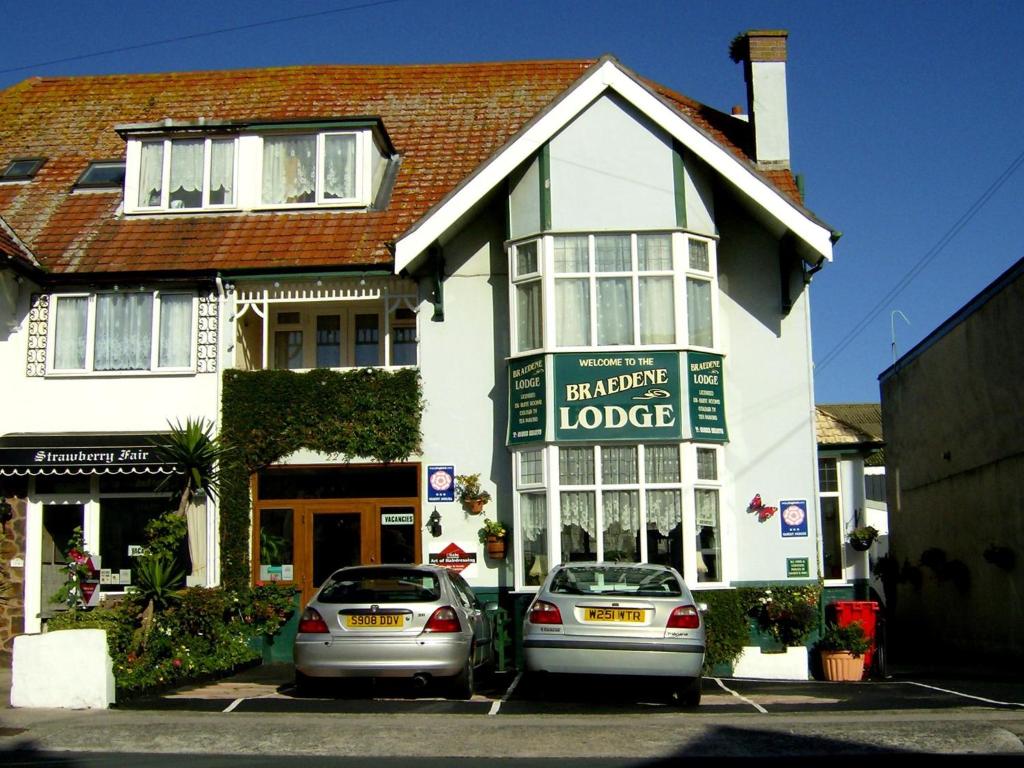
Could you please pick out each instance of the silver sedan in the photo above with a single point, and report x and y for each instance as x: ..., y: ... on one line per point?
x: 617, y: 619
x: 415, y: 621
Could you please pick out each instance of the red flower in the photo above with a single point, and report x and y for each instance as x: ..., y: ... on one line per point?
x: 176, y: 662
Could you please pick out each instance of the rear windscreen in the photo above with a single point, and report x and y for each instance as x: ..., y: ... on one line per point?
x: 649, y: 582
x: 391, y: 585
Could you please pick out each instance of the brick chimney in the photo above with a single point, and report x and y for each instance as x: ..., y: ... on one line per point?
x: 763, y: 53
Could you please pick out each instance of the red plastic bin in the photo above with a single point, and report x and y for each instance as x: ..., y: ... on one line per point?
x: 864, y: 611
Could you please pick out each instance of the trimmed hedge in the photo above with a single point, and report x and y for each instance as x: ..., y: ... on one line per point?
x: 268, y: 414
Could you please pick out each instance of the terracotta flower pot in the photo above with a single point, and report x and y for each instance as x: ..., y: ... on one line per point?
x: 474, y: 506
x: 842, y: 666
x: 496, y: 547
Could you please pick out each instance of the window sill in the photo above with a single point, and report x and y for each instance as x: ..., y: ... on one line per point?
x: 119, y: 374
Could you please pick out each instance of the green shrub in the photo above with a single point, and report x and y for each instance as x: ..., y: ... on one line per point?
x: 205, y: 631
x: 726, y: 624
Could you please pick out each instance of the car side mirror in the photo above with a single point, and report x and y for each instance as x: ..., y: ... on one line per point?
x: 702, y: 607
x: 490, y: 607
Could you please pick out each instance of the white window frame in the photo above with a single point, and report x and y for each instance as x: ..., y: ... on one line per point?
x: 133, y: 169
x: 688, y: 482
x: 362, y: 171
x: 90, y: 337
x: 680, y: 273
x: 690, y: 515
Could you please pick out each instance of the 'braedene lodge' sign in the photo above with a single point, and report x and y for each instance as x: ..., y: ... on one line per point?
x: 615, y: 396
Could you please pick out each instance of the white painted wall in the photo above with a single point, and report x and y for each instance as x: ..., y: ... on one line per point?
x: 611, y: 170
x: 768, y: 401
x: 463, y: 370
x: 69, y: 669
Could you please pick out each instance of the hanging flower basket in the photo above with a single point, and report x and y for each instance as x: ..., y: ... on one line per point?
x: 862, y: 538
x: 469, y: 492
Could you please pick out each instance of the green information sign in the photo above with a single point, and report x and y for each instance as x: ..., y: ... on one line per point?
x: 797, y: 568
x: 704, y: 376
x: 527, y: 416
x: 617, y: 396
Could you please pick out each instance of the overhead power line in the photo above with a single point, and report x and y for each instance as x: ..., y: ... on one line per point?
x: 198, y: 35
x: 923, y: 262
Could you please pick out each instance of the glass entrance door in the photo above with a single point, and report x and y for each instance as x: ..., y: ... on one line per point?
x: 337, y: 536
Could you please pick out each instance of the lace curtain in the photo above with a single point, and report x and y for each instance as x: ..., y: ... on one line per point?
x: 175, y: 330
x: 614, y: 311
x: 339, y: 167
x: 289, y: 169
x: 657, y: 311
x: 151, y: 174
x: 222, y: 172
x: 124, y: 331
x: 186, y: 182
x: 69, y: 339
x: 572, y: 297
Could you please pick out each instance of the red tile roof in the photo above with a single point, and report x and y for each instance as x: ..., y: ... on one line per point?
x: 445, y: 120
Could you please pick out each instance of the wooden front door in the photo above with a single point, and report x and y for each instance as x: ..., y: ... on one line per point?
x: 335, y: 535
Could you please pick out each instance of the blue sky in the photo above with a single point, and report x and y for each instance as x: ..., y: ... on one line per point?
x: 904, y: 116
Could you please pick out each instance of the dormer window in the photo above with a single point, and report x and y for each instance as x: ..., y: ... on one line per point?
x: 311, y: 168
x: 211, y: 165
x: 188, y: 173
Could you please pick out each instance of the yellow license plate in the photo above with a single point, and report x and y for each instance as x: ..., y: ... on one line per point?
x: 375, y: 621
x: 620, y: 615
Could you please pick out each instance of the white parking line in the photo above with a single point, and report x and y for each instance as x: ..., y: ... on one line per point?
x: 966, y: 695
x: 754, y: 704
x: 496, y: 705
x: 232, y: 705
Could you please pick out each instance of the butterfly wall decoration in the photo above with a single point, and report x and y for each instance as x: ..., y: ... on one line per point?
x: 763, y: 512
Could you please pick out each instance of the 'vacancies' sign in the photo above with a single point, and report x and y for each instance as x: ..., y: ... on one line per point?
x: 614, y: 396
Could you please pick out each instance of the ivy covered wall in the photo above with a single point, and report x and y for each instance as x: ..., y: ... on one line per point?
x: 266, y: 415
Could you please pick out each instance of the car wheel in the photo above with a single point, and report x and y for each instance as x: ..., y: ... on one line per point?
x: 688, y: 693
x: 462, y: 683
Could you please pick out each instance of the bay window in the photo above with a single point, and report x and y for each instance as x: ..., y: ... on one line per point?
x: 624, y: 503
x: 123, y: 331
x: 613, y: 290
x: 187, y: 173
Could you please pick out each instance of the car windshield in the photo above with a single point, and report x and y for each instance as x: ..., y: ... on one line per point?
x: 652, y: 582
x: 381, y: 585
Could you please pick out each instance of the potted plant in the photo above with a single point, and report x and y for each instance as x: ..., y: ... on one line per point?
x: 862, y: 538
x: 471, y: 495
x: 842, y: 651
x: 493, y: 534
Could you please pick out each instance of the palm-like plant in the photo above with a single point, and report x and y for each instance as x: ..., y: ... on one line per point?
x: 195, y: 453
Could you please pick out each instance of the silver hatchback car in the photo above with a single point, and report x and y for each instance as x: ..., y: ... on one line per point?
x: 415, y: 621
x: 617, y: 619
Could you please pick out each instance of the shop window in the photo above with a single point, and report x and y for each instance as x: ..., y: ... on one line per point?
x: 123, y: 538
x: 277, y: 545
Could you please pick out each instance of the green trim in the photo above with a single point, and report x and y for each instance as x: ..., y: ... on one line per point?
x: 545, y: 187
x: 312, y: 125
x: 679, y: 182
